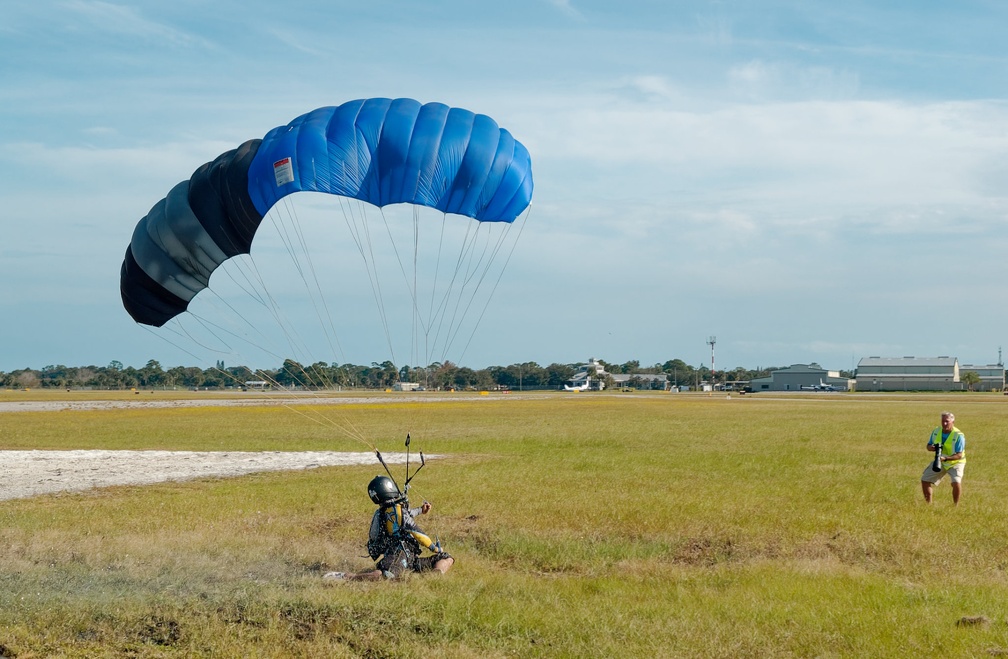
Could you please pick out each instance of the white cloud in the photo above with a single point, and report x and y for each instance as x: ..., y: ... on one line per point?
x: 567, y: 7
x: 807, y: 159
x: 107, y: 17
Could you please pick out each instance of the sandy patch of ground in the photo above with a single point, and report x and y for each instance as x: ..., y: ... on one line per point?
x: 30, y: 473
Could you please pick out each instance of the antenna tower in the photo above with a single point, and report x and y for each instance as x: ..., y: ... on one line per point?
x: 711, y: 341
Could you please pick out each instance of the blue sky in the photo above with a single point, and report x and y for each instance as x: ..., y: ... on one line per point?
x: 808, y: 181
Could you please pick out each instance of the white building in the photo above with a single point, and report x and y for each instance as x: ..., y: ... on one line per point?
x: 591, y: 376
x: 595, y: 370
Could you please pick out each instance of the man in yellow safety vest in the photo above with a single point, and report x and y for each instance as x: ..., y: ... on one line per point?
x: 952, y: 460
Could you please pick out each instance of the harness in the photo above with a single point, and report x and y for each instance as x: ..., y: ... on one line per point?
x: 390, y: 532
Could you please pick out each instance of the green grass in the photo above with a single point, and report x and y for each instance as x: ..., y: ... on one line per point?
x: 583, y: 525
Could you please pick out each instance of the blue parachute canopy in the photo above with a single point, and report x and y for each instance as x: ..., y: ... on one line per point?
x: 380, y: 151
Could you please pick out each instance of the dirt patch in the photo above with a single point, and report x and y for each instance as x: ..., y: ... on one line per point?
x: 30, y: 473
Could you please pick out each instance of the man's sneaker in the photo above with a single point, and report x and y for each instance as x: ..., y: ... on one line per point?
x: 334, y: 576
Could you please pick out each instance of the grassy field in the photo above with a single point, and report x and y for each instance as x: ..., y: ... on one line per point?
x: 626, y: 525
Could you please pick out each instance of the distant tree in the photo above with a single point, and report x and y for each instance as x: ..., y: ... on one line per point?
x: 174, y: 377
x: 529, y: 375
x: 213, y: 378
x: 389, y: 373
x: 291, y: 374
x: 444, y: 375
x: 128, y: 378
x: 86, y: 376
x: 318, y: 376
x: 239, y: 375
x: 465, y: 378
x: 151, y: 375
x: 679, y: 372
x: 27, y: 378
x: 558, y: 374
x: 57, y: 376
x: 632, y: 366
x: 192, y: 377
x: 970, y: 379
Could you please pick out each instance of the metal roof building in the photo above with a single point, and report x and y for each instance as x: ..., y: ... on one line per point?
x: 992, y: 376
x: 801, y: 377
x: 909, y: 374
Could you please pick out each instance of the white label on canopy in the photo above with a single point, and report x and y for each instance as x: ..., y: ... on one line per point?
x: 283, y: 170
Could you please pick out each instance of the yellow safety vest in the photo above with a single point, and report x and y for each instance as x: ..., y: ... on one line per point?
x: 948, y: 445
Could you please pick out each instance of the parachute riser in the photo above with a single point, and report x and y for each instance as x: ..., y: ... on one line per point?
x: 405, y: 488
x: 408, y: 476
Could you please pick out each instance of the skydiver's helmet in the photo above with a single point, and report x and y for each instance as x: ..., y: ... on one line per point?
x: 383, y: 491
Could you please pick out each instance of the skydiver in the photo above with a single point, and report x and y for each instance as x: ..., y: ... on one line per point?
x: 395, y: 542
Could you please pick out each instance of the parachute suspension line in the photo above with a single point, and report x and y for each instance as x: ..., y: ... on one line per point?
x: 292, y: 237
x: 430, y: 317
x: 325, y: 320
x: 415, y: 316
x: 257, y: 289
x: 294, y: 341
x: 499, y: 277
x: 207, y: 324
x: 343, y: 425
x: 172, y: 343
x: 239, y: 315
x: 437, y: 272
x: 472, y: 265
x: 314, y: 290
x: 424, y: 323
x: 440, y: 313
x: 362, y: 238
x: 470, y: 268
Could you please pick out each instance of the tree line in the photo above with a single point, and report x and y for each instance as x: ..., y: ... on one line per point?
x: 322, y: 375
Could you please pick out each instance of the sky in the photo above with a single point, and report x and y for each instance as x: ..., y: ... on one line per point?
x: 805, y: 181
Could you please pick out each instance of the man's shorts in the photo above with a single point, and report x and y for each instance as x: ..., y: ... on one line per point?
x: 955, y: 472
x: 399, y: 561
x: 427, y: 563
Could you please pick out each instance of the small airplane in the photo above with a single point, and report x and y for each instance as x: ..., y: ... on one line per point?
x: 582, y: 387
x: 822, y: 386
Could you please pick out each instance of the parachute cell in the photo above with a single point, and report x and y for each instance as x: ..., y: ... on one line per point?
x: 379, y: 151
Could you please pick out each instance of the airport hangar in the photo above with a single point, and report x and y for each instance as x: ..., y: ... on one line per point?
x: 925, y: 374
x: 885, y: 374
